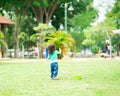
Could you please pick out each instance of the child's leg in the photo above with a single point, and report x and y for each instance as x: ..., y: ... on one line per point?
x: 54, y: 70
x: 55, y: 73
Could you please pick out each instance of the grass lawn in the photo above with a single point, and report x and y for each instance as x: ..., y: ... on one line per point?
x: 78, y: 77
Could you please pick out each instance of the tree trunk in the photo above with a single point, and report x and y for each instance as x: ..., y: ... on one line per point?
x: 84, y: 50
x: 43, y: 15
x: 118, y: 49
x: 15, y: 44
x: 16, y: 34
x: 41, y: 48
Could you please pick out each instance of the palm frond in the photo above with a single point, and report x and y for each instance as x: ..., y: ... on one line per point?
x: 2, y: 43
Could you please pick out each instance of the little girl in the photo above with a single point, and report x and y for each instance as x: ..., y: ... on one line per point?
x: 53, y: 56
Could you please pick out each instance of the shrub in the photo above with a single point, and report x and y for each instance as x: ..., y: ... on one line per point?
x: 94, y: 49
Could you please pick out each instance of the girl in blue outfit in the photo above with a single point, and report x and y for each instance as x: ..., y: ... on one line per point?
x: 53, y: 57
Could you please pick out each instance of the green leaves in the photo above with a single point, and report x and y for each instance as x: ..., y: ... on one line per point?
x: 115, y: 13
x: 36, y: 3
x: 61, y: 39
x: 42, y: 3
x: 2, y: 42
x: 83, y: 20
x: 42, y: 27
x: 94, y: 48
x: 87, y: 42
x: 1, y: 35
x: 23, y: 37
x: 43, y: 30
x: 35, y: 37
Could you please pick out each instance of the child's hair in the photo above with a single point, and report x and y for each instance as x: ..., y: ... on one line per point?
x: 51, y: 48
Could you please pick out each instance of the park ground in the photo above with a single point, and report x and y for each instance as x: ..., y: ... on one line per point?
x: 78, y: 77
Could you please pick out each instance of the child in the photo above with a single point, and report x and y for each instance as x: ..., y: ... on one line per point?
x: 53, y: 56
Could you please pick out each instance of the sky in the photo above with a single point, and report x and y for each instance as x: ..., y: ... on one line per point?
x: 103, y: 6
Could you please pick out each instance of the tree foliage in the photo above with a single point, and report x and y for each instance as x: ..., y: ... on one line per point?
x: 2, y: 42
x: 97, y: 35
x: 114, y: 14
x: 43, y: 30
x: 29, y: 13
x: 61, y: 40
x: 23, y: 38
x: 83, y: 20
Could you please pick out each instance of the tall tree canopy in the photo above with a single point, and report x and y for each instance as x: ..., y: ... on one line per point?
x: 115, y: 15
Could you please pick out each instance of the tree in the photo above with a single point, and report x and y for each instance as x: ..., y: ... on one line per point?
x: 16, y: 10
x: 23, y: 37
x: 62, y: 40
x: 42, y: 30
x: 88, y: 41
x: 43, y: 10
x: 2, y: 42
x: 97, y: 35
x: 116, y: 43
x: 115, y: 14
x: 78, y: 37
x: 81, y: 21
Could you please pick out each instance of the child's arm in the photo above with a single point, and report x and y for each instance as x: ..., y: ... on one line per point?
x: 47, y: 54
x: 47, y: 57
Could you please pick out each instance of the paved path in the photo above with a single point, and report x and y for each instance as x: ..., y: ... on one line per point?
x: 66, y: 58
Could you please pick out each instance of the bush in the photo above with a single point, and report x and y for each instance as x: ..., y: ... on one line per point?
x: 94, y: 49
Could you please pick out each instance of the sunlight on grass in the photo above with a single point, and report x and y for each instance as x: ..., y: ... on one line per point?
x: 88, y: 77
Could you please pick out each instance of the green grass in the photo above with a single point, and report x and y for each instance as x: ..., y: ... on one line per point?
x: 88, y: 77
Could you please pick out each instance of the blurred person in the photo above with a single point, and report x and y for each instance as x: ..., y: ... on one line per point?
x: 53, y: 57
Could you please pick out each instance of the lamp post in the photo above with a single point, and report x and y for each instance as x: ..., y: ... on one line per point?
x: 67, y: 6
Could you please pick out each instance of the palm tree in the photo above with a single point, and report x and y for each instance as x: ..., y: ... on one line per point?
x: 2, y: 44
x: 62, y: 40
x: 23, y: 37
